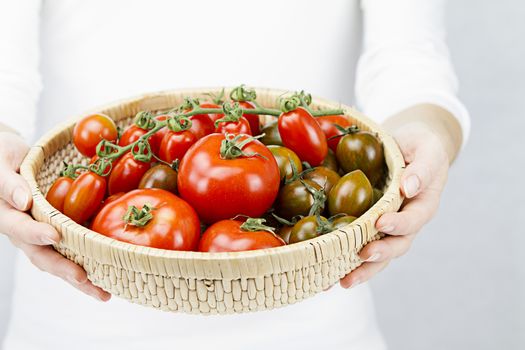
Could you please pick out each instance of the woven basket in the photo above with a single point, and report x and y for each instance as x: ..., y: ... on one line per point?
x: 205, y: 283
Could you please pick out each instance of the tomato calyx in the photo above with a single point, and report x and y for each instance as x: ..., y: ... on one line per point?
x: 232, y: 113
x: 189, y: 104
x: 136, y: 217
x: 352, y: 129
x: 145, y: 120
x: 319, y: 197
x: 256, y: 224
x: 218, y: 99
x: 178, y: 123
x: 232, y: 145
x: 70, y: 170
x: 323, y: 225
x: 242, y: 94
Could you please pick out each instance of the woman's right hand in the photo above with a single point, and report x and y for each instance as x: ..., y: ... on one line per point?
x: 32, y: 237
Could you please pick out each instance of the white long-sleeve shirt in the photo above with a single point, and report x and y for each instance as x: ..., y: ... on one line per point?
x: 59, y: 58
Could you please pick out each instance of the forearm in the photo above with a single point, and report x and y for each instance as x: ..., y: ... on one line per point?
x: 436, y: 119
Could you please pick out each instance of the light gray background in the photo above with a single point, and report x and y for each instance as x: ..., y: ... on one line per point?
x: 462, y: 284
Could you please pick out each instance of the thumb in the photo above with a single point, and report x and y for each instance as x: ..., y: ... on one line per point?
x: 14, y: 189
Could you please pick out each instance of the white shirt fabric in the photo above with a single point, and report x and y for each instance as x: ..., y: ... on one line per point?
x: 59, y: 58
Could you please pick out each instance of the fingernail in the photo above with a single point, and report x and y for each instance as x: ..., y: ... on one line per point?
x: 373, y: 257
x: 387, y: 229
x: 48, y: 240
x: 20, y: 198
x: 355, y: 283
x: 411, y: 186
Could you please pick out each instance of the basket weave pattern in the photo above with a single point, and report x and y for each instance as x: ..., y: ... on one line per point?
x: 204, y: 283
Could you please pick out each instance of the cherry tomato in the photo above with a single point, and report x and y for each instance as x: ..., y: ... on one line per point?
x: 161, y: 220
x: 213, y: 116
x: 285, y: 232
x: 175, y: 144
x: 284, y: 158
x: 308, y: 228
x: 330, y: 162
x: 156, y: 139
x: 253, y: 119
x: 126, y: 174
x: 229, y: 236
x: 271, y: 134
x: 130, y: 135
x: 327, y: 124
x: 240, y: 127
x: 90, y: 130
x: 160, y: 176
x: 324, y: 177
x: 361, y: 150
x: 58, y: 191
x: 201, y: 125
x: 377, y: 195
x: 220, y: 188
x: 343, y: 221
x: 294, y: 199
x: 302, y: 134
x: 108, y: 200
x: 352, y: 195
x: 85, y: 197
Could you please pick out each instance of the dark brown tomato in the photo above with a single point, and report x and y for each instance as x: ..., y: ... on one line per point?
x: 324, y: 177
x: 160, y: 176
x: 377, y: 195
x: 284, y: 158
x: 352, y: 195
x: 284, y: 232
x: 295, y: 199
x: 330, y: 161
x: 306, y: 228
x: 343, y: 221
x: 361, y: 150
x: 271, y: 134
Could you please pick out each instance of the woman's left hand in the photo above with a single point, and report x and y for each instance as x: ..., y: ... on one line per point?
x: 422, y: 184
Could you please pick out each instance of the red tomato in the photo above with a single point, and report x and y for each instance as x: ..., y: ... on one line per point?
x: 213, y: 116
x: 156, y: 139
x: 240, y: 127
x: 175, y: 144
x: 126, y: 174
x: 130, y: 135
x: 302, y: 134
x: 90, y: 130
x: 201, y: 125
x: 253, y: 119
x: 84, y: 197
x: 108, y: 200
x: 228, y: 236
x: 173, y: 224
x: 58, y: 191
x: 222, y: 188
x: 327, y: 125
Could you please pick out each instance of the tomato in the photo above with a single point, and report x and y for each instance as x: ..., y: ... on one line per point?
x: 284, y: 158
x: 285, y: 232
x: 302, y: 134
x: 90, y: 130
x: 330, y: 162
x: 160, y: 176
x: 159, y: 219
x: 324, y: 177
x: 108, y: 200
x: 213, y: 116
x: 201, y: 125
x: 343, y: 221
x: 239, y: 127
x: 130, y: 135
x: 377, y: 195
x: 271, y: 134
x: 85, y: 197
x: 231, y: 236
x: 156, y: 139
x: 253, y: 119
x: 95, y: 158
x: 126, y: 174
x: 327, y: 124
x: 352, y: 195
x: 309, y: 227
x: 221, y: 187
x: 361, y: 150
x: 58, y: 191
x: 295, y: 199
x: 175, y: 144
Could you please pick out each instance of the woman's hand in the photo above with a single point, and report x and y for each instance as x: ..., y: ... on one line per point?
x: 33, y: 238
x: 422, y: 183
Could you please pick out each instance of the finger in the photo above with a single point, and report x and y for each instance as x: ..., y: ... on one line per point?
x: 22, y: 227
x: 416, y: 213
x: 48, y: 260
x: 421, y: 171
x: 362, y: 274
x: 386, y: 249
x: 14, y: 189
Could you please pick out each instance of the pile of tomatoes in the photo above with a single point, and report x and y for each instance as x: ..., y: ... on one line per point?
x: 211, y: 177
